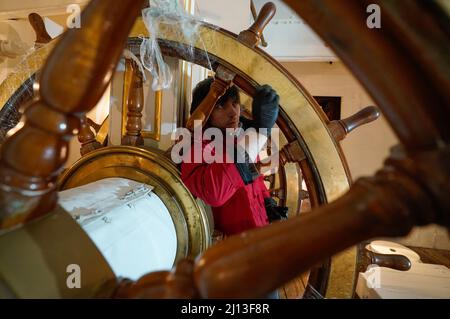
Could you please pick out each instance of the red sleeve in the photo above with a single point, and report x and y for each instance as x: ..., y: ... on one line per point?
x: 214, y: 183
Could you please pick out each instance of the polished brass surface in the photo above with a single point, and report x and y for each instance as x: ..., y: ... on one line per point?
x: 153, y: 168
x: 34, y: 259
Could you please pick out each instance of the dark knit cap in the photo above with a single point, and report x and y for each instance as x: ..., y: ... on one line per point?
x: 201, y: 91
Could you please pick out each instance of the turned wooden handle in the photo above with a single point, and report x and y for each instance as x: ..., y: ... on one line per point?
x: 265, y: 15
x: 340, y: 129
x: 366, y: 115
x: 398, y: 262
x: 255, y: 15
x: 203, y: 111
x: 38, y: 25
x: 252, y: 36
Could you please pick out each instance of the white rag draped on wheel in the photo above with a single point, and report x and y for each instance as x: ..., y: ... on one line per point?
x: 129, y: 224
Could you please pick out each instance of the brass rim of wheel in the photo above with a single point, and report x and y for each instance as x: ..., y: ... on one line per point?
x: 153, y: 168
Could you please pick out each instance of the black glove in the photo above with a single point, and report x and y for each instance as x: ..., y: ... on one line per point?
x: 273, y: 211
x: 265, y: 107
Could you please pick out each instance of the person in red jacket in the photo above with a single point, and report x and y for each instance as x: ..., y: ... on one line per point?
x: 234, y: 189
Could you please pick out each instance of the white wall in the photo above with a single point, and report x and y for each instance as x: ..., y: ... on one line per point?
x: 232, y: 15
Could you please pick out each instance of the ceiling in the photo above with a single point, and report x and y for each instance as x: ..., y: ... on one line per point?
x: 289, y: 38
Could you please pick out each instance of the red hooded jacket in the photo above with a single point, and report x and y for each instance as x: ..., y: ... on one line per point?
x: 236, y: 207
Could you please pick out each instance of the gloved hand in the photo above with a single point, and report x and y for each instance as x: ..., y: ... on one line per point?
x: 275, y: 212
x: 265, y: 107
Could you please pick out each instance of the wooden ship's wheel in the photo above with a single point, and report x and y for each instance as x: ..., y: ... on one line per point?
x: 297, y: 161
x: 310, y: 145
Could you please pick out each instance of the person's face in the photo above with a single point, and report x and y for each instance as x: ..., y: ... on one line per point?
x: 226, y: 115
